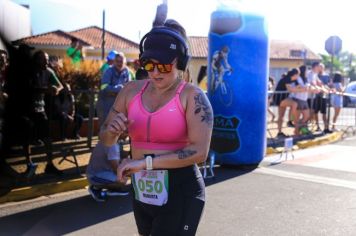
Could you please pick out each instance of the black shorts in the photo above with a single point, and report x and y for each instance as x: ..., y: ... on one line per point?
x: 318, y: 104
x: 182, y: 213
x: 279, y: 97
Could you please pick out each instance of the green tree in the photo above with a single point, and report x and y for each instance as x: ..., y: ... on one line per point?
x: 349, y: 62
x: 326, y: 60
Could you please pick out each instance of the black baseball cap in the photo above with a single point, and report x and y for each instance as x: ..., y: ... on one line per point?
x: 161, y: 47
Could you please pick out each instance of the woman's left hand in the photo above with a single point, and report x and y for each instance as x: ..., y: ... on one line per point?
x: 128, y: 167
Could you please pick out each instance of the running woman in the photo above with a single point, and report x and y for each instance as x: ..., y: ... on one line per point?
x: 170, y: 123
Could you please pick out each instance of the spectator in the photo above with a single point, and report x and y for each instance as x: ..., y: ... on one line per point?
x: 17, y: 126
x: 64, y: 104
x: 300, y: 96
x: 323, y: 96
x: 75, y: 51
x: 66, y: 113
x: 55, y: 63
x: 101, y: 172
x: 336, y: 99
x: 283, y: 101
x: 5, y: 169
x: 109, y: 61
x: 270, y: 97
x: 112, y: 82
x: 3, y: 74
x: 3, y: 67
x: 317, y: 101
x: 281, y: 90
x: 43, y: 81
x: 3, y: 95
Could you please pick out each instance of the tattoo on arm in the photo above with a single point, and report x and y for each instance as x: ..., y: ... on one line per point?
x: 203, y: 109
x: 183, y: 154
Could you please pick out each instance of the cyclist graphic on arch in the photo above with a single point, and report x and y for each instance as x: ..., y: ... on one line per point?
x: 220, y: 66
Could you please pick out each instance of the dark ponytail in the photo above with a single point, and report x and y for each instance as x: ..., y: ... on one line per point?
x: 292, y: 72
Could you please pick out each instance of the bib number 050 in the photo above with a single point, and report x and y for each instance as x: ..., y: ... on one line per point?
x: 150, y: 186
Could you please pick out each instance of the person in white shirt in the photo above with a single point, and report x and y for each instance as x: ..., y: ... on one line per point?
x: 300, y: 96
x: 315, y: 98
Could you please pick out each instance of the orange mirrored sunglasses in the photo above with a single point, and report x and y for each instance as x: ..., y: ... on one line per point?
x: 149, y: 66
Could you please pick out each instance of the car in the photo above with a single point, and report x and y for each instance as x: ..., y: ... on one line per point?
x: 351, y: 90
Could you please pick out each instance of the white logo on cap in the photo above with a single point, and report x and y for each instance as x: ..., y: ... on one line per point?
x: 173, y: 46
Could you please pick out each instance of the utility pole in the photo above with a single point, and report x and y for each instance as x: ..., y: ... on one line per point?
x: 305, y: 56
x: 103, y: 38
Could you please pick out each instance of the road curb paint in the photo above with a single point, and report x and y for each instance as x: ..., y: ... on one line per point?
x: 330, y: 138
x: 25, y: 193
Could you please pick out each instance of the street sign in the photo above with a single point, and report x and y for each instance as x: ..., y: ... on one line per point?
x: 333, y: 45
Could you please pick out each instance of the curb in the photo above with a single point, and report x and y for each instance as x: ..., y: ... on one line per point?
x: 330, y: 138
x: 321, y: 140
x: 34, y: 191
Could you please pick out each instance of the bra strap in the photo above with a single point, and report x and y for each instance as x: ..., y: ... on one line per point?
x: 145, y: 86
x: 181, y: 87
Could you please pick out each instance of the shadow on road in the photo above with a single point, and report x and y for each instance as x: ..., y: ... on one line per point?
x: 65, y: 217
x: 75, y: 214
x: 227, y: 172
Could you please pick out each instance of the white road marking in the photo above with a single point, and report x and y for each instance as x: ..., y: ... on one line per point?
x: 307, y: 177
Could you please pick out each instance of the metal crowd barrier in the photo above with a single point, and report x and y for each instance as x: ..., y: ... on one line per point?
x: 85, y: 103
x: 346, y: 121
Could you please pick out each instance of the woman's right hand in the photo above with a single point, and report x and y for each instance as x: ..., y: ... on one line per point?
x: 128, y: 167
x: 118, y: 124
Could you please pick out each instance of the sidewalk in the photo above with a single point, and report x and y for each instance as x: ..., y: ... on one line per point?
x: 43, y: 185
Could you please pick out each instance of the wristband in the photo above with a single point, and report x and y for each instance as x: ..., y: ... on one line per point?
x: 149, y: 162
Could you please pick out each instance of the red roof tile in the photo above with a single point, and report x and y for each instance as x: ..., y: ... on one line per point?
x: 89, y: 36
x: 55, y: 38
x: 93, y: 35
x: 279, y: 49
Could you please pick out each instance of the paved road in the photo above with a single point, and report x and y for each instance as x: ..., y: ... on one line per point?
x: 314, y: 194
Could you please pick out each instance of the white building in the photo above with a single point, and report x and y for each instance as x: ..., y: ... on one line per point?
x: 15, y: 21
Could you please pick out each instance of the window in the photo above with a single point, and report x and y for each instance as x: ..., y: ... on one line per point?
x: 296, y: 53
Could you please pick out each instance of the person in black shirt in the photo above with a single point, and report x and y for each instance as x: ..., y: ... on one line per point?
x: 43, y: 82
x: 283, y: 101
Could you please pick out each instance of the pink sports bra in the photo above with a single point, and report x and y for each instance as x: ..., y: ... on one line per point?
x: 164, y: 129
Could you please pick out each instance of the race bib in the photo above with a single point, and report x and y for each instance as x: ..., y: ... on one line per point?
x: 151, y: 186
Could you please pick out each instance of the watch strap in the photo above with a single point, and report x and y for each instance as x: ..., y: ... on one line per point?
x: 149, y: 162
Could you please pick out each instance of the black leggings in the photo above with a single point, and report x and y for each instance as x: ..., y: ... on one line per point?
x: 182, y: 213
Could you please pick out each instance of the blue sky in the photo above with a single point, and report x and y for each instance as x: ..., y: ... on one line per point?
x: 309, y: 21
